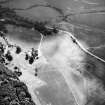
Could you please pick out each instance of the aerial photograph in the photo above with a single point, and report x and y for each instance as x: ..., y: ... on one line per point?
x: 52, y: 52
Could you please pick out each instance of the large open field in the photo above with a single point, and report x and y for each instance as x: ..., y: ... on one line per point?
x: 52, y: 52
